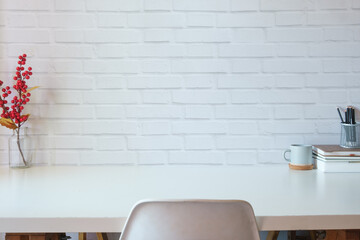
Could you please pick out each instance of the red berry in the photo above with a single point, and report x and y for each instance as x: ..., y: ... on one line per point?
x: 7, y: 87
x: 24, y: 55
x: 29, y: 68
x: 1, y: 82
x: 27, y: 77
x: 30, y: 73
x: 9, y: 92
x: 27, y: 99
x: 19, y: 62
x: 20, y: 57
x: 3, y: 90
x: 21, y: 107
x: 28, y: 94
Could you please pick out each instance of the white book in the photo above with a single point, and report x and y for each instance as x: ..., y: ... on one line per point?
x: 338, y: 166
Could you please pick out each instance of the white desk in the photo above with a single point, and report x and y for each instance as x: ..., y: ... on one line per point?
x: 99, y: 198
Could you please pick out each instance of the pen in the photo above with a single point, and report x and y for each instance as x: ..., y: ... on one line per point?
x: 342, y: 120
x: 352, y: 121
x: 346, y: 116
x: 353, y: 116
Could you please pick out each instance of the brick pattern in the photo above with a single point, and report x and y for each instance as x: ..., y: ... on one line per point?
x: 218, y: 82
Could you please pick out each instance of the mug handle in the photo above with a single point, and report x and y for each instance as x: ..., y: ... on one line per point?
x: 284, y: 154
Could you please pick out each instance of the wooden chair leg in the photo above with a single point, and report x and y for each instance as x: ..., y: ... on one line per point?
x: 272, y: 235
x: 82, y: 236
x: 101, y: 236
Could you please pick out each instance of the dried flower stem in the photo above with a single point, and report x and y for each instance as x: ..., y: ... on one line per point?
x: 19, y: 147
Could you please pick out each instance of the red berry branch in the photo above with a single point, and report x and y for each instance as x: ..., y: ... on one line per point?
x: 11, y: 117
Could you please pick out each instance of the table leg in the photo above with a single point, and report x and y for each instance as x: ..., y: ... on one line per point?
x: 312, y: 235
x: 82, y: 236
x: 292, y: 235
x: 100, y: 236
x: 272, y: 235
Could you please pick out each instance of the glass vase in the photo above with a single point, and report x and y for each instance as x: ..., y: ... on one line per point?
x: 20, y: 149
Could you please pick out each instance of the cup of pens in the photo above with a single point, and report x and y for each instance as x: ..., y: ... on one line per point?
x: 350, y: 130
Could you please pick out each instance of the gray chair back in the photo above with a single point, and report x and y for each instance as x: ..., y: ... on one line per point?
x: 191, y: 220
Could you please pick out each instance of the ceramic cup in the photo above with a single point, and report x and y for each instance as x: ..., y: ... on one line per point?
x: 299, y: 154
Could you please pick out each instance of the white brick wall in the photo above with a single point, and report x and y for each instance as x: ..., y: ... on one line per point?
x: 220, y: 82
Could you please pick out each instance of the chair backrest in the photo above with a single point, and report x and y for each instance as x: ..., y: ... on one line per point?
x: 191, y: 220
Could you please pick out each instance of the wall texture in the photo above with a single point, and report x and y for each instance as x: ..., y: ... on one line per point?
x: 182, y: 81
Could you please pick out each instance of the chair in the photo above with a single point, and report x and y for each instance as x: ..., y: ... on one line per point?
x: 191, y: 220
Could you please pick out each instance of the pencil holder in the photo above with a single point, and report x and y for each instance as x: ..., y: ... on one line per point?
x: 350, y: 137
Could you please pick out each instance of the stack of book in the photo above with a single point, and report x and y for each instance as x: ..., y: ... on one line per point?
x: 333, y: 158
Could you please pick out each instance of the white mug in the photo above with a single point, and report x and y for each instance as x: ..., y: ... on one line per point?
x: 299, y: 154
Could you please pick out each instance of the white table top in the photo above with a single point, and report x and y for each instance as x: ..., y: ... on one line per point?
x: 99, y: 198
